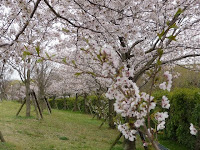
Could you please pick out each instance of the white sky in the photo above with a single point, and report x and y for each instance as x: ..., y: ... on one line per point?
x: 15, y: 76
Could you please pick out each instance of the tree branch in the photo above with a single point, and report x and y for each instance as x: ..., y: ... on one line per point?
x: 70, y: 22
x: 24, y: 27
x: 179, y: 58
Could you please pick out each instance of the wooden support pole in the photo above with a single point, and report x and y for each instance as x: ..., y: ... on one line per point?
x: 103, y: 122
x: 36, y: 111
x: 38, y: 106
x: 21, y: 107
x: 116, y: 140
x: 48, y: 105
x: 1, y: 137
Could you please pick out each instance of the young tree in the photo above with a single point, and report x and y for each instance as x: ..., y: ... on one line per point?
x: 42, y: 76
x: 24, y: 66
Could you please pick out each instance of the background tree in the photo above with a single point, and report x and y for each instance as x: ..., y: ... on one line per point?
x: 24, y: 66
x: 42, y: 76
x: 5, y: 73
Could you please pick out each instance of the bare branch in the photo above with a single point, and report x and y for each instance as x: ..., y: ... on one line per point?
x: 180, y: 58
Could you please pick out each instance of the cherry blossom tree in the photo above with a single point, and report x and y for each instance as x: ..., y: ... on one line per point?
x: 65, y: 82
x: 120, y: 40
x: 16, y: 90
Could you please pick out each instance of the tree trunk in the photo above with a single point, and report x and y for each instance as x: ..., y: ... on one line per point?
x: 98, y: 104
x: 3, y: 93
x: 1, y: 137
x: 41, y: 87
x: 28, y: 101
x: 65, y: 103
x: 41, y: 94
x: 129, y: 145
x: 54, y: 102
x: 85, y: 104
x: 76, y: 103
x: 111, y: 114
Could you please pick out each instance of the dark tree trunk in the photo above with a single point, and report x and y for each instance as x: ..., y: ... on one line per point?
x: 3, y: 93
x: 54, y: 102
x: 28, y: 101
x: 41, y: 97
x: 1, y: 137
x: 129, y: 145
x: 98, y: 104
x: 65, y: 103
x: 41, y: 87
x: 111, y: 114
x: 85, y: 104
x: 76, y: 103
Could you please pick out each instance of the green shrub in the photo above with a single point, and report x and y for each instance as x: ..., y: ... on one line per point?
x: 91, y: 99
x: 59, y: 103
x: 184, y: 109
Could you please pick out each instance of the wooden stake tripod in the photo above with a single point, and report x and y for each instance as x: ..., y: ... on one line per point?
x: 36, y: 105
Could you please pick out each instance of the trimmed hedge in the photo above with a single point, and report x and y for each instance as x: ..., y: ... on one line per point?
x: 59, y: 102
x: 184, y: 109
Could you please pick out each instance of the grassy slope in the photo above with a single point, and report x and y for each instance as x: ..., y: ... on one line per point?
x: 81, y: 131
x: 78, y: 131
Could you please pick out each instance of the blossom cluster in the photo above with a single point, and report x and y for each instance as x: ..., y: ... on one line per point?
x: 193, y: 130
x: 166, y: 85
x: 165, y: 102
x: 110, y: 61
x: 127, y: 96
x: 127, y: 131
x: 133, y: 104
x: 160, y: 117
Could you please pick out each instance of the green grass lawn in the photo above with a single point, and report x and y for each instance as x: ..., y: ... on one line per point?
x: 62, y: 130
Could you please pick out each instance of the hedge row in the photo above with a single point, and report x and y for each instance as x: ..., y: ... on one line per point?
x: 58, y: 103
x: 82, y: 102
x: 184, y: 109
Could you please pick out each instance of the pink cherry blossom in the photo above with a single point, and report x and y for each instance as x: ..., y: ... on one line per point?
x: 193, y: 130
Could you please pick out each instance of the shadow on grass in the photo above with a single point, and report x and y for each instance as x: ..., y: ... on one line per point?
x: 25, y: 118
